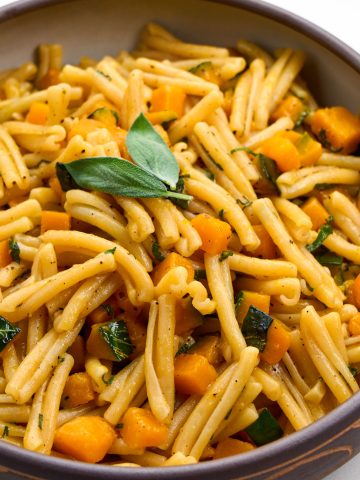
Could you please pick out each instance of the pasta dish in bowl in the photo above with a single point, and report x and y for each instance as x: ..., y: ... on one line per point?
x: 179, y: 252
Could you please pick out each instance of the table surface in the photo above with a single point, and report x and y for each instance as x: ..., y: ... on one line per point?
x: 326, y: 14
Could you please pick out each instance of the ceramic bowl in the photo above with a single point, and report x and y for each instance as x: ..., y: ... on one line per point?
x: 93, y: 27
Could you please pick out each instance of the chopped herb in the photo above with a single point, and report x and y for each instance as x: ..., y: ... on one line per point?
x: 339, y: 278
x: 108, y: 381
x: 157, y: 252
x: 353, y: 370
x: 14, y: 250
x: 329, y: 259
x: 210, y: 175
x: 225, y: 254
x: 244, y: 202
x: 5, y: 432
x: 238, y: 301
x: 111, y: 250
x: 180, y: 188
x: 185, y: 347
x: 108, y: 309
x: 7, y: 332
x: 255, y: 327
x: 324, y: 186
x: 61, y: 359
x: 200, y: 274
x: 265, y: 429
x: 309, y: 287
x: 221, y: 214
x: 40, y: 420
x: 119, y: 426
x: 104, y: 113
x: 228, y: 414
x: 200, y: 67
x: 322, y: 136
x: 324, y: 232
x: 301, y: 118
x: 104, y: 75
x: 116, y: 335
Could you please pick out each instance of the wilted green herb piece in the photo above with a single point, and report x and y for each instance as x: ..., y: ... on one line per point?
x: 238, y: 301
x: 301, y: 118
x: 185, y: 347
x: 255, y: 327
x: 225, y: 254
x: 322, y: 235
x: 329, y: 259
x: 108, y: 381
x: 354, y: 371
x: 116, y: 335
x: 40, y: 420
x: 7, y: 332
x: 5, y: 432
x: 14, y: 250
x: 265, y: 429
x: 180, y: 188
x: 322, y: 136
x: 111, y: 250
x: 157, y: 252
x: 108, y: 309
x: 199, y: 274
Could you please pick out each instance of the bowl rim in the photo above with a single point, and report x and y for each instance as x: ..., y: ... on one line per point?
x: 304, y: 441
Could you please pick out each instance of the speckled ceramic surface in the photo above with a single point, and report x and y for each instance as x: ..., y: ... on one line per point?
x: 93, y: 27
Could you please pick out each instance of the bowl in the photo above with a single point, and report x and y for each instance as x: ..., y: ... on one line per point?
x: 333, y: 73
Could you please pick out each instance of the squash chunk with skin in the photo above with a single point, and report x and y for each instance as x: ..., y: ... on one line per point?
x: 337, y: 128
x: 141, y: 429
x: 193, y: 374
x: 78, y: 390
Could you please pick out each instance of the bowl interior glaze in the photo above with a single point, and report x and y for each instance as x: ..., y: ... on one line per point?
x: 96, y: 28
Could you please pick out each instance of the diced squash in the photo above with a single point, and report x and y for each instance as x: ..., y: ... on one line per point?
x: 208, y: 347
x: 137, y: 333
x: 54, y: 184
x: 231, y: 446
x: 158, y: 118
x: 193, y: 374
x: 214, y: 233
x: 141, y: 429
x: 309, y: 149
x: 86, y: 438
x: 171, y: 261
x: 78, y: 390
x: 187, y: 317
x: 283, y: 151
x: 168, y: 97
x: 124, y: 305
x: 267, y: 248
x: 336, y: 128
x: 291, y: 107
x: 85, y: 126
x: 106, y: 116
x: 316, y: 212
x: 103, y: 313
x: 5, y: 255
x: 97, y: 346
x: 354, y: 325
x: 38, y: 113
x: 356, y: 291
x: 210, y: 325
x: 51, y: 220
x: 77, y: 351
x: 277, y: 342
x: 49, y: 79
x: 246, y: 299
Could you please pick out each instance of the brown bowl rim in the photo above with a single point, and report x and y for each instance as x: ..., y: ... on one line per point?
x: 298, y: 445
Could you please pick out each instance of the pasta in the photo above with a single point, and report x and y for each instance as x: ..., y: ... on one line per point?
x: 179, y: 252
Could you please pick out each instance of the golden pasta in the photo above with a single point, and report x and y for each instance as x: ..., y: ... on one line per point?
x: 179, y: 246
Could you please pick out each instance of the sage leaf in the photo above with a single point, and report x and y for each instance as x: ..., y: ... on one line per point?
x: 150, y: 152
x: 7, y: 332
x: 116, y: 335
x: 324, y: 232
x: 112, y: 175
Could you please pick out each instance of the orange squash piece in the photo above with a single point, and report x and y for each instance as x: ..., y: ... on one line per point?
x: 86, y: 438
x: 231, y: 446
x: 214, y: 233
x: 258, y: 300
x: 141, y: 429
x: 97, y: 346
x: 84, y: 127
x: 187, y: 317
x: 49, y: 79
x: 277, y: 343
x: 316, y: 212
x: 170, y: 98
x: 291, y: 107
x: 173, y: 260
x: 309, y: 149
x: 5, y: 256
x: 193, y: 374
x: 51, y: 220
x: 208, y: 347
x: 38, y: 113
x: 100, y: 314
x: 267, y: 248
x: 77, y: 351
x: 78, y: 390
x: 283, y: 151
x: 337, y: 128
